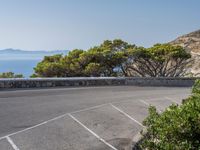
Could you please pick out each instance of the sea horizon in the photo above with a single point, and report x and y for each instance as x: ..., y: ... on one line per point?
x: 19, y: 66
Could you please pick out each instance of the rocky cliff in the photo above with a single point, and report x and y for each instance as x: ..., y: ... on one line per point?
x: 191, y: 42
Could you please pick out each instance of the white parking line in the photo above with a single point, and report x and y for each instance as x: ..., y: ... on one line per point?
x: 93, y: 133
x: 33, y: 126
x: 12, y: 143
x: 121, y: 111
x: 50, y: 120
x: 171, y: 99
x: 90, y: 108
x: 145, y: 102
x: 61, y: 116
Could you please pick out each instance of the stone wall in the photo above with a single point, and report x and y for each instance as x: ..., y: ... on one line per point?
x: 173, y: 82
x: 95, y: 81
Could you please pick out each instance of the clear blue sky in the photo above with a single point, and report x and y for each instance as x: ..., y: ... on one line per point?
x: 69, y: 24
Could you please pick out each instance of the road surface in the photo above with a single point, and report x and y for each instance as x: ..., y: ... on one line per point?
x: 86, y: 118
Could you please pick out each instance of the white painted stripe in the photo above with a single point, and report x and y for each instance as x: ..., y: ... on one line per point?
x: 33, y: 126
x: 121, y: 111
x: 90, y: 108
x: 145, y: 102
x: 50, y: 120
x: 150, y: 105
x: 171, y: 99
x: 12, y: 143
x: 61, y: 116
x: 93, y: 133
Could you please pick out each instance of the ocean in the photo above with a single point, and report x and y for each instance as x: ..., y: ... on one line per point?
x: 23, y: 62
x: 21, y: 66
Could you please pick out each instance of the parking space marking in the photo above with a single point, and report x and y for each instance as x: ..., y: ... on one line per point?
x: 61, y: 116
x: 12, y: 143
x: 171, y: 99
x: 144, y: 102
x: 121, y: 111
x: 93, y: 133
x: 50, y: 120
x: 90, y: 108
x: 33, y: 126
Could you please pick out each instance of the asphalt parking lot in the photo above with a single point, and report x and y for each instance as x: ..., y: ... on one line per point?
x: 82, y: 118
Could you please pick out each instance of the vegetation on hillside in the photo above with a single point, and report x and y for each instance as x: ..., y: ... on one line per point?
x: 10, y: 75
x: 177, y: 128
x: 116, y: 58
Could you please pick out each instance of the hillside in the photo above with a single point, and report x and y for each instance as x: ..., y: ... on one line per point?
x: 191, y: 42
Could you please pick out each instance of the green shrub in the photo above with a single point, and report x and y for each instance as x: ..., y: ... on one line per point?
x: 177, y: 128
x: 196, y: 87
x: 10, y: 75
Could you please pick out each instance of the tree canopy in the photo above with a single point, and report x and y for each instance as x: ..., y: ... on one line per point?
x: 161, y: 60
x: 116, y: 58
x: 10, y: 75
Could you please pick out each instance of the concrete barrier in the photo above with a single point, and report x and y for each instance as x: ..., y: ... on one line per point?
x: 95, y: 81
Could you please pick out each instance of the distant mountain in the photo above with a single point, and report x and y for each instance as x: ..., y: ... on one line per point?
x: 16, y: 54
x: 18, y: 51
x: 191, y: 42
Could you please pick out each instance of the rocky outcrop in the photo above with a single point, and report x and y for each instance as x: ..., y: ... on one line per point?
x: 191, y: 42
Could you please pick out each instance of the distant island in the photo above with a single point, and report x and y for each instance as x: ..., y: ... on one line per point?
x: 18, y: 51
x: 10, y: 53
